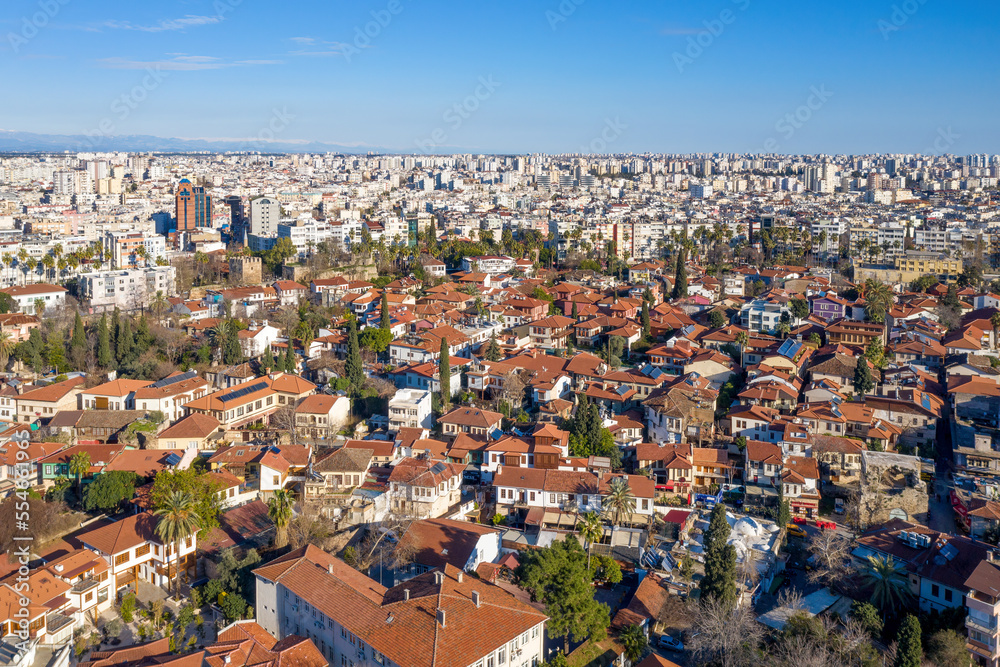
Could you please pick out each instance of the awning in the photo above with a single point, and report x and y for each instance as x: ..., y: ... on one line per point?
x: 534, y: 516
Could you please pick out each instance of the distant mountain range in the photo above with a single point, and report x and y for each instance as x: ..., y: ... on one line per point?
x: 30, y: 142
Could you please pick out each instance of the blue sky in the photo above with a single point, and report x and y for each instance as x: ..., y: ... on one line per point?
x: 716, y: 75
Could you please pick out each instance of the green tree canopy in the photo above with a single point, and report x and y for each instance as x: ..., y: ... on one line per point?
x: 353, y: 364
x: 110, y: 490
x: 863, y: 382
x: 199, y: 485
x: 557, y: 576
x: 909, y: 652
x: 376, y: 340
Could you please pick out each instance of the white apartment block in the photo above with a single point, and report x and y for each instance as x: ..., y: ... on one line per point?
x: 265, y: 214
x: 130, y: 289
x: 410, y: 408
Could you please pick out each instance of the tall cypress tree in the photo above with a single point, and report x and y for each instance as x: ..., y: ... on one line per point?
x: 115, y: 329
x: 909, y: 652
x: 493, y: 351
x: 574, y: 313
x: 355, y: 369
x: 645, y: 319
x: 290, y: 357
x: 680, y: 290
x: 384, y: 321
x: 104, y: 359
x: 444, y: 369
x: 143, y: 336
x: 125, y: 342
x: 267, y: 359
x: 79, y: 340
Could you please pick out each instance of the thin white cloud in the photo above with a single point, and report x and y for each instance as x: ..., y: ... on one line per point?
x: 321, y: 48
x: 181, y: 62
x: 165, y: 25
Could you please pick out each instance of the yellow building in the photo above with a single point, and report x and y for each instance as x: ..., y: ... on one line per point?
x: 911, y: 266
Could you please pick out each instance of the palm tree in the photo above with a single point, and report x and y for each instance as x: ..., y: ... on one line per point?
x: 878, y: 300
x: 158, y: 305
x: 79, y: 465
x: 889, y: 583
x: 220, y: 333
x: 178, y: 521
x: 6, y: 348
x: 591, y: 530
x: 633, y: 639
x: 619, y: 503
x: 279, y: 510
x: 995, y: 322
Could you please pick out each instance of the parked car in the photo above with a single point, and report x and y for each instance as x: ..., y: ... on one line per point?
x: 838, y: 506
x: 799, y: 519
x: 669, y: 643
x: 795, y: 530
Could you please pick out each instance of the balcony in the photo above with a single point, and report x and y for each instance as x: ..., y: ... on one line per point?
x: 55, y: 622
x: 84, y: 586
x: 975, y: 624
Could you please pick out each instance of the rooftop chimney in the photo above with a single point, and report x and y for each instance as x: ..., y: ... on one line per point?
x: 438, y: 577
x: 406, y: 593
x: 440, y: 618
x: 329, y: 568
x: 475, y: 598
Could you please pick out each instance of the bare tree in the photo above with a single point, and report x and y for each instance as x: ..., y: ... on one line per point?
x: 512, y: 391
x: 726, y: 635
x: 748, y: 571
x: 790, y: 598
x: 830, y: 552
x: 284, y: 420
x: 802, y: 651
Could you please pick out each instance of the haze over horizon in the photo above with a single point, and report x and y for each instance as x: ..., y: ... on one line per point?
x: 577, y: 76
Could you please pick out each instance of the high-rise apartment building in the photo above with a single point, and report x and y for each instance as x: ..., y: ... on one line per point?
x: 265, y: 214
x: 194, y: 206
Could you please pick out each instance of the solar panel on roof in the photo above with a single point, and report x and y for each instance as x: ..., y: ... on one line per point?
x: 622, y: 389
x: 925, y: 400
x: 243, y: 391
x: 172, y: 459
x: 655, y: 373
x: 438, y: 468
x: 949, y: 551
x: 166, y: 382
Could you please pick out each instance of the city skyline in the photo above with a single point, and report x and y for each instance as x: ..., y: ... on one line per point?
x: 570, y: 77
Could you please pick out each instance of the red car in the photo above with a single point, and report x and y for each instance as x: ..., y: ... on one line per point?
x: 799, y: 519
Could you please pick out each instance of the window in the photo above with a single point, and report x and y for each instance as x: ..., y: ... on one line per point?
x: 935, y: 590
x: 121, y: 559
x: 502, y: 655
x: 947, y: 595
x: 142, y: 551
